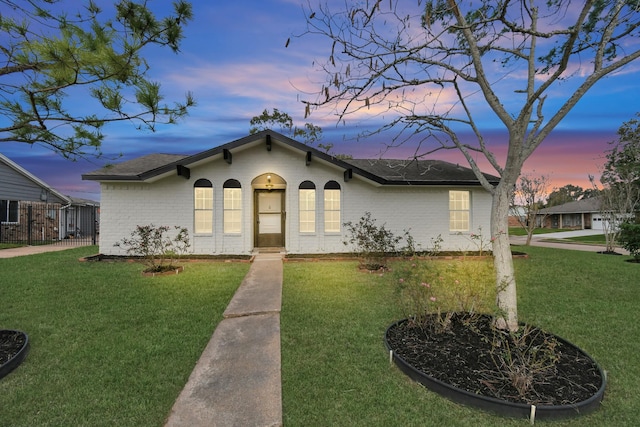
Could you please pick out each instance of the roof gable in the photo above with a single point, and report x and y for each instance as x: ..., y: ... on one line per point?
x: 381, y: 171
x: 25, y: 174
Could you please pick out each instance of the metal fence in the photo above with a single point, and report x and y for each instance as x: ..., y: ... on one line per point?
x: 46, y: 223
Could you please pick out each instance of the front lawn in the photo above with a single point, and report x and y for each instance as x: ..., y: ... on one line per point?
x: 108, y: 346
x: 519, y: 231
x: 336, y: 370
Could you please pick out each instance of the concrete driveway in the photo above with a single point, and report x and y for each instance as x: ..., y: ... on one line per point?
x: 541, y: 240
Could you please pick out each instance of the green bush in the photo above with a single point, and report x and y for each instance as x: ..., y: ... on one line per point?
x: 374, y: 243
x: 157, y: 249
x: 630, y: 238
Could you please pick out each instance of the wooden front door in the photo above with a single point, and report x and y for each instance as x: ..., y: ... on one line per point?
x: 269, y: 218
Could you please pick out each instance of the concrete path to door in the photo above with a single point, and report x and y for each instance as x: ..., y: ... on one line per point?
x: 237, y: 380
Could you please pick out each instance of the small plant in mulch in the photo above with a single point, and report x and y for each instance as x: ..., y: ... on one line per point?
x: 449, y: 335
x: 157, y: 249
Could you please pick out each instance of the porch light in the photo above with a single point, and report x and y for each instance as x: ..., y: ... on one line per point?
x: 269, y: 184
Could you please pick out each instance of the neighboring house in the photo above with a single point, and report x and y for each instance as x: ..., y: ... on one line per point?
x: 517, y: 216
x: 80, y: 218
x: 580, y: 215
x: 267, y: 190
x: 31, y: 210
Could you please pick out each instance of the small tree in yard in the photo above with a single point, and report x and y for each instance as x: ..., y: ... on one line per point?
x: 620, y: 192
x: 436, y: 69
x: 529, y: 195
x: 156, y: 248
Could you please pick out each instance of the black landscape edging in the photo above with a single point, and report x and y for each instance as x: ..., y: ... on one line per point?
x: 501, y: 406
x: 17, y: 359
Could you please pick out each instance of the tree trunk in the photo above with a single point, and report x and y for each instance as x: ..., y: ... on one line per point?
x: 529, y: 236
x: 506, y: 299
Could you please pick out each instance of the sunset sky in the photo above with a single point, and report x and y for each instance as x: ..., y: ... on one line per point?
x: 235, y: 62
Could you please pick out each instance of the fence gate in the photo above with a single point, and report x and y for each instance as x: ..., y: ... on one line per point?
x: 35, y: 223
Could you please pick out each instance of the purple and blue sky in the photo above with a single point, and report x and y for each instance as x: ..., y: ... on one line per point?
x: 235, y: 62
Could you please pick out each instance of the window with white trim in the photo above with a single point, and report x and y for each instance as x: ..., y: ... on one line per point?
x: 9, y: 211
x: 459, y: 211
x: 307, y: 207
x: 332, y: 207
x: 203, y: 207
x: 232, y: 195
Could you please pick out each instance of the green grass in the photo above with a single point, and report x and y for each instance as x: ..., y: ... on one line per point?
x: 108, y: 346
x: 596, y: 239
x: 336, y: 371
x: 519, y: 231
x: 9, y: 245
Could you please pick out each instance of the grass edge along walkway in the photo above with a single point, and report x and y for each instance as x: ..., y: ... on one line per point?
x: 108, y: 346
x: 237, y: 381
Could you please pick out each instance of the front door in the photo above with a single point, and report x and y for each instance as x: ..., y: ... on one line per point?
x: 270, y: 216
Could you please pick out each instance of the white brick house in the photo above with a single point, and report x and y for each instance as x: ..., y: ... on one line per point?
x: 266, y: 190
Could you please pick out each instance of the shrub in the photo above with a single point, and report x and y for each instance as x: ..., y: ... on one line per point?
x: 429, y: 291
x: 156, y: 248
x: 630, y: 238
x: 374, y: 243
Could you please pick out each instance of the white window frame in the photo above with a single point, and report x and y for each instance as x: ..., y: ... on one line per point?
x: 332, y: 209
x: 459, y: 211
x: 232, y: 209
x: 203, y: 209
x: 307, y: 210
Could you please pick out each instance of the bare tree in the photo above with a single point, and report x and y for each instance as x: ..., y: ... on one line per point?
x: 529, y: 196
x: 434, y: 70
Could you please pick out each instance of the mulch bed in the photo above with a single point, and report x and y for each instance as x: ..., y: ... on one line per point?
x: 11, y: 344
x: 465, y: 356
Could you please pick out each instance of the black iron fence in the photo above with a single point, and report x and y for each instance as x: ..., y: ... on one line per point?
x: 46, y: 223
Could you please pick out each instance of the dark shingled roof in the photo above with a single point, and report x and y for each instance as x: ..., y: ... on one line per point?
x: 578, y: 206
x: 135, y: 168
x: 396, y: 171
x: 382, y: 171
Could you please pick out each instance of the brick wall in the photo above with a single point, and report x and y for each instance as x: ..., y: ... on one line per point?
x: 169, y: 201
x: 44, y: 223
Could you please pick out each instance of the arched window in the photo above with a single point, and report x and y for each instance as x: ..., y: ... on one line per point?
x: 232, y: 191
x: 203, y: 206
x: 332, y: 207
x: 307, y: 203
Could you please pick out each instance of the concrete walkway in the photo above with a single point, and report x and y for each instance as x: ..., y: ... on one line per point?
x: 237, y: 380
x: 32, y: 250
